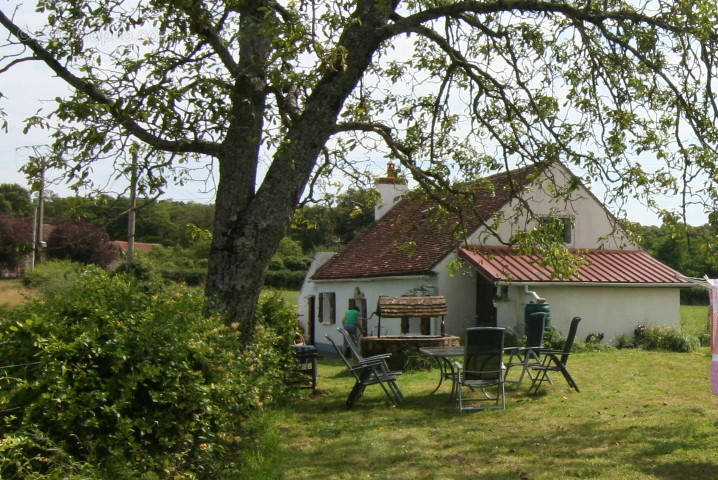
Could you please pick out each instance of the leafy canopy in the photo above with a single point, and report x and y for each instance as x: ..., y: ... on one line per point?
x: 622, y: 90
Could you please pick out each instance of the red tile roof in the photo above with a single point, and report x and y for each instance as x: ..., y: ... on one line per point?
x: 601, y: 266
x: 416, y: 234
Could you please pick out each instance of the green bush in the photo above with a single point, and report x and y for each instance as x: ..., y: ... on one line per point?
x: 52, y: 274
x: 284, y: 279
x: 704, y: 339
x: 127, y: 379
x: 657, y: 338
x: 694, y: 296
x: 276, y: 263
x: 513, y: 339
x: 176, y: 264
x: 297, y: 264
x: 553, y: 339
x: 624, y: 341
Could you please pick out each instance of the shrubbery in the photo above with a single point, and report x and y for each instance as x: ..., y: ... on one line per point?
x: 15, y: 240
x: 80, y: 242
x: 127, y: 379
x: 53, y: 274
x: 284, y: 279
x: 694, y: 296
x: 657, y: 338
x: 178, y: 264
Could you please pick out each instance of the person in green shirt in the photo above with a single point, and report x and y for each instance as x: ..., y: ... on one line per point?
x: 351, y: 324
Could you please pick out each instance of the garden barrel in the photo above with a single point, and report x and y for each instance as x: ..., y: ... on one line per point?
x: 537, y: 308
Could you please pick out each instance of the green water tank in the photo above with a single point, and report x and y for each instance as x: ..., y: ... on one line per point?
x: 538, y: 308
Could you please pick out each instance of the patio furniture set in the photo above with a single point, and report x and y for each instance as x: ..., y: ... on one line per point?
x: 486, y: 364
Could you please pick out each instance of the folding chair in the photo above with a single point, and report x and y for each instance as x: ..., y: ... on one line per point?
x: 526, y: 356
x: 555, y: 361
x: 369, y: 372
x: 359, y: 358
x: 483, y: 368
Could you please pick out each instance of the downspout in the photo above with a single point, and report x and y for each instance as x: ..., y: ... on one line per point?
x: 533, y: 294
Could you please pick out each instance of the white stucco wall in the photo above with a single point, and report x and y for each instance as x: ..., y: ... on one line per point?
x: 612, y: 311
x: 593, y: 226
x: 345, y: 290
x: 459, y: 290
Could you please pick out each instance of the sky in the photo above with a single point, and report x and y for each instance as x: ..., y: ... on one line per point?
x: 31, y: 86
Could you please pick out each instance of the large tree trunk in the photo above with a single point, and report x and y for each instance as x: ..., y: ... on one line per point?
x: 249, y: 226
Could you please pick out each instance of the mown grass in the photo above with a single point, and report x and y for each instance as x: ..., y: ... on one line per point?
x: 639, y: 415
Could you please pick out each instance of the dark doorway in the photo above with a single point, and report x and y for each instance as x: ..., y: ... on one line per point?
x: 363, y: 309
x: 311, y: 319
x: 485, y: 306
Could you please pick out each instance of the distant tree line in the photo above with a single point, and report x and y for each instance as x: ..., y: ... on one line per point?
x: 692, y: 250
x: 81, y: 229
x: 83, y: 225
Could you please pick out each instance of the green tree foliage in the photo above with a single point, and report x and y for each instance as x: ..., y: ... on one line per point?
x: 123, y: 379
x: 692, y: 250
x: 331, y: 226
x: 288, y: 266
x: 15, y: 200
x: 167, y: 222
x: 285, y: 96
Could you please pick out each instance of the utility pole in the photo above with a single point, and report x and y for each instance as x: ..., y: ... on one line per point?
x: 131, y: 215
x: 41, y: 209
x: 39, y: 218
x: 34, y: 239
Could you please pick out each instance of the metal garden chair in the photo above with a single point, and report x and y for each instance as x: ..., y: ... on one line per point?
x: 354, y: 350
x: 555, y: 361
x: 483, y: 369
x: 527, y: 356
x: 366, y: 373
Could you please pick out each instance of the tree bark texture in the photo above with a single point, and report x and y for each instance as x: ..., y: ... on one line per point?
x: 249, y: 226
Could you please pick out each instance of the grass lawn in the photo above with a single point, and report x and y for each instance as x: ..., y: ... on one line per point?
x: 694, y: 319
x: 290, y: 296
x: 12, y: 292
x: 639, y: 415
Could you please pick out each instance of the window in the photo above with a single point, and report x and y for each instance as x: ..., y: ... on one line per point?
x: 327, y: 307
x: 502, y: 293
x: 563, y: 223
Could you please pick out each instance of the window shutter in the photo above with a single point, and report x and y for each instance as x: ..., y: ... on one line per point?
x: 321, y: 308
x: 332, y: 307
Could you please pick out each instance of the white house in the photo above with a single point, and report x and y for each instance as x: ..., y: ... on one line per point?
x: 413, y: 248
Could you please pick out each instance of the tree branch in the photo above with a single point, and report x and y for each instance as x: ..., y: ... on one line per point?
x: 15, y: 62
x: 591, y: 15
x: 97, y: 95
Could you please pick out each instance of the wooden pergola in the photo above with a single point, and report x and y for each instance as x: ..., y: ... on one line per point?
x: 412, y: 307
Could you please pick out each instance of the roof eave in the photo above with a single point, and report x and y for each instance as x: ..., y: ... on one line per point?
x: 521, y: 283
x: 420, y: 275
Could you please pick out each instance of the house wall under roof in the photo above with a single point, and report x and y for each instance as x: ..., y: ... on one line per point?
x: 370, y: 289
x: 611, y: 310
x: 458, y: 286
x: 593, y: 227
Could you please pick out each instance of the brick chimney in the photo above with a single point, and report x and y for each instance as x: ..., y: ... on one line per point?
x: 390, y: 188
